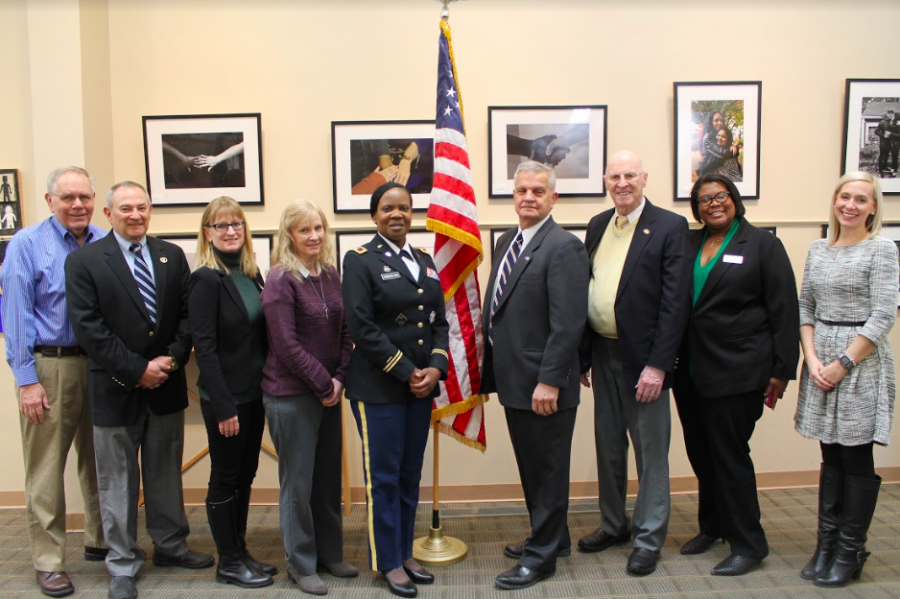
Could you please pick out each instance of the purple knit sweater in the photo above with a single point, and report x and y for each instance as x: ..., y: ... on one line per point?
x: 306, y: 349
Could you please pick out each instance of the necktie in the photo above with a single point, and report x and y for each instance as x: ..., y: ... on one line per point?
x: 621, y: 221
x: 144, y: 280
x: 506, y: 269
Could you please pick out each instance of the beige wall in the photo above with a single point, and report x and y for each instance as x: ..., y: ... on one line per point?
x: 86, y: 72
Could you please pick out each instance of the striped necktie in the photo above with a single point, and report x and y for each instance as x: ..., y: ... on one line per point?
x: 509, y: 261
x: 144, y: 280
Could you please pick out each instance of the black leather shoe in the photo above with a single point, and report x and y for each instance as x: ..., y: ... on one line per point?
x: 521, y: 577
x: 600, y: 540
x: 191, y: 560
x: 515, y: 550
x: 699, y: 544
x: 642, y: 561
x: 407, y: 589
x: 422, y: 576
x: 735, y: 565
x: 95, y: 554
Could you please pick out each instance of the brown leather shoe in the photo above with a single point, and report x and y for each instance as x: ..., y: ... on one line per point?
x: 55, y: 584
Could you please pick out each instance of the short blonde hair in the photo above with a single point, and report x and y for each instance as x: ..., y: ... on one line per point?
x: 205, y: 254
x: 283, y: 254
x: 873, y: 224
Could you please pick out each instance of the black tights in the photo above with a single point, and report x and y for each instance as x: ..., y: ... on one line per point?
x: 856, y: 460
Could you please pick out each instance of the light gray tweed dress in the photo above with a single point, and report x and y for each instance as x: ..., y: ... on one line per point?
x: 853, y: 283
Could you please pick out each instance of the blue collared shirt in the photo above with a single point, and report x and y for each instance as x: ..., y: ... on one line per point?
x: 34, y: 293
x: 125, y: 246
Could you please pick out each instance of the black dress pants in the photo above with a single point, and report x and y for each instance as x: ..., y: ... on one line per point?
x: 717, y: 433
x: 233, y: 460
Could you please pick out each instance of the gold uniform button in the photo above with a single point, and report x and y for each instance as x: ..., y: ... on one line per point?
x: 421, y: 325
x: 421, y: 342
x: 421, y: 291
x: 151, y: 333
x: 421, y: 307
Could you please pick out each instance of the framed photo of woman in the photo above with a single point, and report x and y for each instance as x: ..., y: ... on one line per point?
x: 717, y: 128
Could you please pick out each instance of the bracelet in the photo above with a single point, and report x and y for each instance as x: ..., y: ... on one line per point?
x: 174, y: 363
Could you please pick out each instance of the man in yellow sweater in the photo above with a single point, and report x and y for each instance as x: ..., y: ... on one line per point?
x: 638, y: 304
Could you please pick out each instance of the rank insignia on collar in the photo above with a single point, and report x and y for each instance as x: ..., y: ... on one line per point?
x: 164, y: 260
x: 387, y: 268
x: 401, y: 320
x: 388, y: 254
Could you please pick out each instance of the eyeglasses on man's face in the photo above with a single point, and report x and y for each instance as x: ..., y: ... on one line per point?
x: 237, y: 225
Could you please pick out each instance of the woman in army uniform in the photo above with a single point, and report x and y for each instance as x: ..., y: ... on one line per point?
x: 395, y: 312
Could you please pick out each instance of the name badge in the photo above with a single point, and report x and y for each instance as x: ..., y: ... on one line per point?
x: 390, y: 276
x: 732, y: 259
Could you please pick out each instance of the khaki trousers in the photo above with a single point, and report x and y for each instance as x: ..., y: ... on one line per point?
x: 45, y: 447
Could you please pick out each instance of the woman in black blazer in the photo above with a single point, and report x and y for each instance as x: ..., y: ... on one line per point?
x: 739, y: 352
x: 229, y: 335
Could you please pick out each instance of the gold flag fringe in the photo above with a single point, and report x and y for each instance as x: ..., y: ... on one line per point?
x: 443, y: 428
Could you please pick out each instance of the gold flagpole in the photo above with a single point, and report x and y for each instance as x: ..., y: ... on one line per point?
x: 437, y: 549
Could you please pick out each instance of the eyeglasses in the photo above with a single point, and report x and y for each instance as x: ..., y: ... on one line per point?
x: 70, y: 198
x: 719, y: 197
x: 628, y: 177
x: 237, y: 225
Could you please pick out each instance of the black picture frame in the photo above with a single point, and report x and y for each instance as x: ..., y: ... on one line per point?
x: 581, y: 163
x: 357, y: 149
x: 578, y: 231
x: 180, y: 165
x: 866, y: 102
x: 11, y: 216
x: 262, y: 247
x: 695, y: 104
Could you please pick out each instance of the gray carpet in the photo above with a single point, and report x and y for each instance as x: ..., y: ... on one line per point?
x: 789, y: 517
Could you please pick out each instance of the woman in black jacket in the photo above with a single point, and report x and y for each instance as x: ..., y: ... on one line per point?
x: 229, y: 335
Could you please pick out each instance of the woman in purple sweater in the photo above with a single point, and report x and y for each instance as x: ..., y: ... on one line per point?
x: 303, y: 380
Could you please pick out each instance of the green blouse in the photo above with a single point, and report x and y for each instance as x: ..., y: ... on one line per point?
x: 701, y: 272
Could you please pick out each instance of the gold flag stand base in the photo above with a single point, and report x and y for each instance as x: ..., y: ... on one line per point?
x: 438, y: 550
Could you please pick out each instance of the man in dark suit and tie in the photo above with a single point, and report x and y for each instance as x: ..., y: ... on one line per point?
x: 637, y: 311
x: 127, y: 297
x: 534, y: 315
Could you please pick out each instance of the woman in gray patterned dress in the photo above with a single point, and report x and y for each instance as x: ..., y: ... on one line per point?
x: 848, y: 304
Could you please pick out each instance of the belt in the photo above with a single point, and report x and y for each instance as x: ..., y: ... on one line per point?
x: 842, y: 323
x: 59, y: 352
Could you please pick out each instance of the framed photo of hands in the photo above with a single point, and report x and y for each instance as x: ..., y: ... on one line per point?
x: 570, y: 139
x: 367, y: 154
x: 192, y: 159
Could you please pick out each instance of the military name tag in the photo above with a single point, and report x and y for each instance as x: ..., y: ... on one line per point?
x: 390, y: 276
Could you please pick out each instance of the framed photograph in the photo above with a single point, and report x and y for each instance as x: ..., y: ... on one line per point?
x: 367, y: 154
x: 872, y: 130
x: 262, y: 248
x: 772, y: 230
x: 349, y: 239
x: 192, y: 159
x: 10, y: 202
x: 578, y: 231
x: 717, y: 127
x: 571, y: 139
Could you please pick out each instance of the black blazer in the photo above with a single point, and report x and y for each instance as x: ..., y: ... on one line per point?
x: 220, y: 330
x: 112, y: 324
x: 653, y: 299
x: 745, y: 327
x: 397, y: 323
x: 533, y: 337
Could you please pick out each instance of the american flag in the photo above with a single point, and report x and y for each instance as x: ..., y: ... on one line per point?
x: 459, y: 410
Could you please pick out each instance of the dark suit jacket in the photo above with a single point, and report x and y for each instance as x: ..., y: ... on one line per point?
x: 745, y: 326
x: 220, y: 330
x: 540, y: 319
x: 112, y: 324
x: 397, y: 323
x: 653, y: 299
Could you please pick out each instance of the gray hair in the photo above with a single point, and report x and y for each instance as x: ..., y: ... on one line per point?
x: 112, y: 191
x: 537, y: 168
x: 53, y: 179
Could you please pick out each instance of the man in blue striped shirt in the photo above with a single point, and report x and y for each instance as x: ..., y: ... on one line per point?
x: 51, y: 374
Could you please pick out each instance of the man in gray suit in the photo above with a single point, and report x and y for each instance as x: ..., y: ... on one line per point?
x: 535, y: 312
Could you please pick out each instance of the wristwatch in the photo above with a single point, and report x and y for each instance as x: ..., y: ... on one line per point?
x: 846, y: 361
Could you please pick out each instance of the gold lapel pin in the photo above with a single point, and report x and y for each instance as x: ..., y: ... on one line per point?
x: 164, y: 260
x: 646, y: 231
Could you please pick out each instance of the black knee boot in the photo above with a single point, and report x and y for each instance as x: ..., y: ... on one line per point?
x: 242, y: 503
x: 831, y: 495
x: 231, y: 568
x: 860, y: 498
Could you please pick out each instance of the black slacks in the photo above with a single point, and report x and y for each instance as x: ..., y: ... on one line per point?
x: 717, y: 433
x: 233, y: 460
x: 543, y: 450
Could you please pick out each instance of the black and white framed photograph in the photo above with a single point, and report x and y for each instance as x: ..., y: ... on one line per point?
x: 344, y: 241
x: 578, y: 231
x: 367, y: 154
x: 10, y: 202
x: 717, y: 129
x: 570, y: 139
x: 872, y: 130
x: 192, y: 159
x: 262, y: 248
